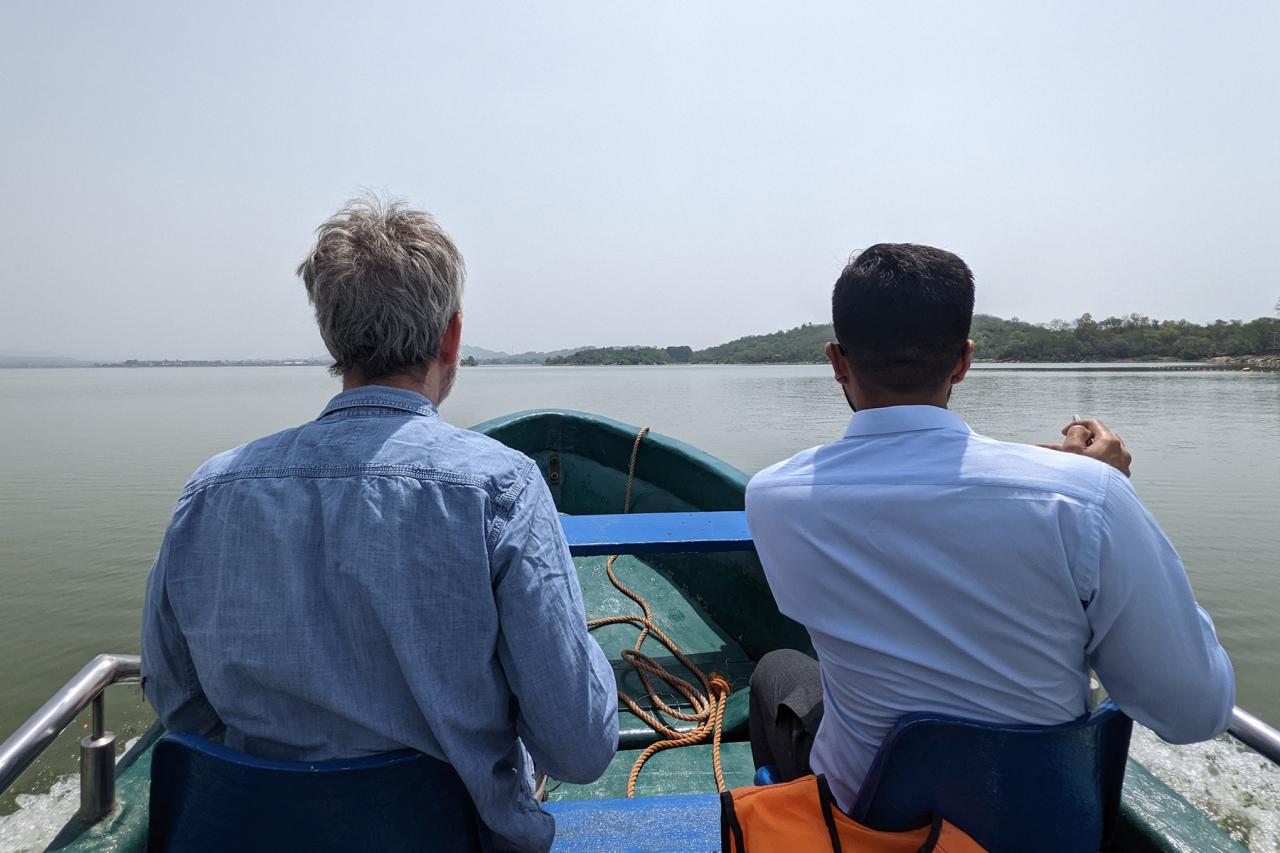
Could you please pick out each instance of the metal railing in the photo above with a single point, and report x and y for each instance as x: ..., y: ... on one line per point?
x: 97, y: 751
x: 1255, y: 734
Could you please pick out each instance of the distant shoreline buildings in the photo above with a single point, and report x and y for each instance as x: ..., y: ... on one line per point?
x: 216, y: 362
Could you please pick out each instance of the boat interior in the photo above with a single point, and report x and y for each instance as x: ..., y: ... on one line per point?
x: 715, y: 606
x: 667, y: 518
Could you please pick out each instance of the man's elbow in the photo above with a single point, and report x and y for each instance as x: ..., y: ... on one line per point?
x: 578, y: 745
x: 588, y: 758
x: 1204, y: 728
x: 1201, y: 715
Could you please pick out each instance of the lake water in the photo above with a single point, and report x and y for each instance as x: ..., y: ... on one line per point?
x: 91, y: 462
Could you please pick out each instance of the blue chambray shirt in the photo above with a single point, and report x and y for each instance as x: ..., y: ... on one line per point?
x: 379, y: 579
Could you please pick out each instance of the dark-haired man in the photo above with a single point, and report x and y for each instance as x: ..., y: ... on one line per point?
x: 938, y: 570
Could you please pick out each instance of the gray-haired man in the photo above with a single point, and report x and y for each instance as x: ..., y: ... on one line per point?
x: 378, y: 579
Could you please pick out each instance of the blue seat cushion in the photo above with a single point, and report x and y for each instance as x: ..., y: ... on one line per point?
x: 685, y: 822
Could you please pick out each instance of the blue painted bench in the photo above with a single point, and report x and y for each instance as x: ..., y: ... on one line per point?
x: 657, y: 533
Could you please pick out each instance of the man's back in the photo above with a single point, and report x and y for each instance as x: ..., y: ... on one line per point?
x: 939, y: 570
x: 374, y: 580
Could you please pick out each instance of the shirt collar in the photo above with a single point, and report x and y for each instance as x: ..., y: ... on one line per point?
x: 904, y: 419
x: 381, y: 396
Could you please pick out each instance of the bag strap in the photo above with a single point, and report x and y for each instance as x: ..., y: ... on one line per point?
x: 729, y: 826
x: 935, y: 832
x: 825, y: 799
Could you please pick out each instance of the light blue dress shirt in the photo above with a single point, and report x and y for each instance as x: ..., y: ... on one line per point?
x: 938, y: 570
x: 374, y: 580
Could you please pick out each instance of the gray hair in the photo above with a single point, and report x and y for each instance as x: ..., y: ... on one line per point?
x: 385, y: 280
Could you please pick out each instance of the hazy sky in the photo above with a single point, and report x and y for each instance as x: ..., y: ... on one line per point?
x: 657, y: 172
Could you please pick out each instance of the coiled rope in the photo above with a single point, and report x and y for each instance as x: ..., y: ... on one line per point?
x: 707, y: 704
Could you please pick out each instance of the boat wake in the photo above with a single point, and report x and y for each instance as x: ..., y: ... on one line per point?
x: 1235, y: 786
x: 40, y: 816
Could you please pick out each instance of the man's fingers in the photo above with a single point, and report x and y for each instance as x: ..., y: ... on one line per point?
x: 1090, y: 436
x: 1097, y: 429
x: 1077, y: 438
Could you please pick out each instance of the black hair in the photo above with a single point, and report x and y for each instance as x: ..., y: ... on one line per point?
x: 902, y: 314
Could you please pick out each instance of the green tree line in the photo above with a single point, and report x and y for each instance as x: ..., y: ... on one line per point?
x: 800, y: 345
x: 625, y: 355
x: 1132, y: 338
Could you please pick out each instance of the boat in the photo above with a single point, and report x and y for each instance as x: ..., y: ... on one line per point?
x: 673, y: 515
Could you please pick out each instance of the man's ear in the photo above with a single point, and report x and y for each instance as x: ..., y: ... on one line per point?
x: 451, y: 341
x: 963, y: 364
x: 838, y: 362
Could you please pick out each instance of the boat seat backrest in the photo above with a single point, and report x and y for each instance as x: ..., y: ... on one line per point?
x: 1010, y: 787
x: 206, y: 797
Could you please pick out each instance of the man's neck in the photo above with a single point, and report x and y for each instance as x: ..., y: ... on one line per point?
x: 863, y: 401
x: 904, y: 402
x: 423, y: 382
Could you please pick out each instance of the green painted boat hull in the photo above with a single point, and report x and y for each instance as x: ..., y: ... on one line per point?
x: 717, y: 607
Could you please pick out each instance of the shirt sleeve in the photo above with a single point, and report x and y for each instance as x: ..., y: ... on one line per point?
x: 567, y: 703
x: 168, y: 674
x: 1152, y: 646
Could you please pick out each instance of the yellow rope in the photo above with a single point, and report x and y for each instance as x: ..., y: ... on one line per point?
x: 708, y: 704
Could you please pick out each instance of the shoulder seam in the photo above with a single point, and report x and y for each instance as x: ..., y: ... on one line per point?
x: 508, y: 501
x: 1101, y: 524
x: 319, y: 472
x: 1078, y: 494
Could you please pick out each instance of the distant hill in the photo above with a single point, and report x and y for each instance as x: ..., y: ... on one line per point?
x: 488, y: 356
x: 1135, y: 337
x: 801, y: 345
x: 482, y: 354
x: 625, y: 355
x: 10, y: 358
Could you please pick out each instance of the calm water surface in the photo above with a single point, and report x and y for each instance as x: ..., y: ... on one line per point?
x: 91, y: 462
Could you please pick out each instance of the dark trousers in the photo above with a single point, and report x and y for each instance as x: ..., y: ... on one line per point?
x: 786, y: 707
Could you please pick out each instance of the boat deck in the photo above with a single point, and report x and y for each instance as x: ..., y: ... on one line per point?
x: 684, y: 769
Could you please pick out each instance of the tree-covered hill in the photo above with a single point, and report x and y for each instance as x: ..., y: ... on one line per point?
x: 1132, y: 338
x: 801, y: 345
x: 625, y: 355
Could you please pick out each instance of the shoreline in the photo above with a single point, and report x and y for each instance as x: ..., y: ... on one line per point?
x: 1259, y: 364
x: 1250, y: 363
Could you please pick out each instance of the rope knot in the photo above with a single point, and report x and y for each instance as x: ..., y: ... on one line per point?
x: 717, y: 686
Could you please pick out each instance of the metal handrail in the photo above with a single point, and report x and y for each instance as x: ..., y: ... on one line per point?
x: 1255, y: 734
x: 97, y: 751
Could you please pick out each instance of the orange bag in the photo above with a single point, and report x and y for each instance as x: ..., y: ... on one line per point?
x: 801, y: 816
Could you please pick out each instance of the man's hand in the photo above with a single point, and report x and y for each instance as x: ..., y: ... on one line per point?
x: 1090, y: 437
